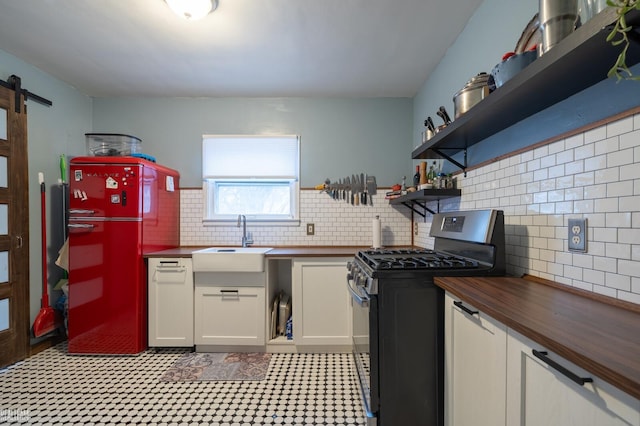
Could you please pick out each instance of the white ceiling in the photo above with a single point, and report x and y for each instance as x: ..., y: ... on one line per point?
x: 320, y: 48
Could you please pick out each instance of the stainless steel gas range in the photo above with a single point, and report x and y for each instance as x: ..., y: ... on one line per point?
x: 398, y: 318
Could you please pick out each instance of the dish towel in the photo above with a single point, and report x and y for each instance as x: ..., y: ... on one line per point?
x: 63, y: 256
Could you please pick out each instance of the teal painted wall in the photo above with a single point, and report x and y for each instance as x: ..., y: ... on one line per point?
x: 52, y: 131
x: 339, y: 137
x: 491, y: 32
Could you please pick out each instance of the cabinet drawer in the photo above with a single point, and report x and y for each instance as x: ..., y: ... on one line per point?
x: 228, y: 315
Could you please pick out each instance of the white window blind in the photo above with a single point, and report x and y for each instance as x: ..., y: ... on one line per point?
x: 251, y: 156
x: 256, y: 176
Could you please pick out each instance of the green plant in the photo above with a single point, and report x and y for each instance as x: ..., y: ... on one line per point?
x: 619, y: 35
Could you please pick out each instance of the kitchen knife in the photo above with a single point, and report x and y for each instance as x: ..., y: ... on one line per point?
x: 353, y: 189
x: 364, y: 190
x: 372, y: 188
x: 347, y: 193
x: 345, y: 189
x: 357, y: 197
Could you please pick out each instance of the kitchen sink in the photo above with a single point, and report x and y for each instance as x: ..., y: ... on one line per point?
x: 229, y: 259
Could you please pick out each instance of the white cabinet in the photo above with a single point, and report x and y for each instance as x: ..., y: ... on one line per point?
x: 321, y: 303
x: 230, y: 309
x: 540, y: 392
x: 170, y: 311
x: 475, y: 366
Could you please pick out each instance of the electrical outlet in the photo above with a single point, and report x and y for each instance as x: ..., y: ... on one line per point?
x: 415, y: 228
x: 577, y: 230
x: 311, y: 229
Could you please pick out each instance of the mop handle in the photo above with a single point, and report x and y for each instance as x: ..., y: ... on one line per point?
x: 43, y: 220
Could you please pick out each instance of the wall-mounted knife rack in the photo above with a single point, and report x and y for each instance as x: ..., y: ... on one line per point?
x: 357, y: 189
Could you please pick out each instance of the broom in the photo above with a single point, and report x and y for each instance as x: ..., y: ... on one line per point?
x: 48, y: 319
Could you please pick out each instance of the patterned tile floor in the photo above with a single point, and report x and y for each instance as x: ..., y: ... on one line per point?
x: 53, y: 388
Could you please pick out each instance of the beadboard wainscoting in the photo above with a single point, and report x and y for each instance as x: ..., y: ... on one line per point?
x: 593, y: 175
x: 336, y: 224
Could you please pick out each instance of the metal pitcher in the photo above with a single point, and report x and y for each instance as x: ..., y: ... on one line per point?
x: 557, y: 20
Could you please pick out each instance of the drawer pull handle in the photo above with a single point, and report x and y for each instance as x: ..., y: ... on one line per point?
x: 542, y: 355
x: 464, y: 308
x: 230, y: 294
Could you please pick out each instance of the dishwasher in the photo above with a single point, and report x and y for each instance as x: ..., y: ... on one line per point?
x: 170, y: 311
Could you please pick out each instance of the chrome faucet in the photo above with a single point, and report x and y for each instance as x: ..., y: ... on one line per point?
x: 242, y: 221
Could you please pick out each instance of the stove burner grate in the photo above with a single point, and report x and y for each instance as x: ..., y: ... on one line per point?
x: 413, y: 259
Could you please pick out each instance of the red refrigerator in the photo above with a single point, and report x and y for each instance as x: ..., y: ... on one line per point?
x: 120, y: 208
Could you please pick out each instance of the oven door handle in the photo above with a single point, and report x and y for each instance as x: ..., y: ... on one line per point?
x: 355, y: 294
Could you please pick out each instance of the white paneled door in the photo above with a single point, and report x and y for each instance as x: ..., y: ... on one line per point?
x: 14, y: 229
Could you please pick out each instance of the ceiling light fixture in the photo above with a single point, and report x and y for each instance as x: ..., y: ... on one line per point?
x: 192, y: 9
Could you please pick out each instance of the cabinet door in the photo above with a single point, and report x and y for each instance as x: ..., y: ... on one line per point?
x: 541, y: 395
x: 229, y: 315
x: 475, y: 347
x: 170, y: 302
x: 321, y: 302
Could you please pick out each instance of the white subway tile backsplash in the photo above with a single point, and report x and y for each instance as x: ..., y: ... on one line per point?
x: 619, y: 158
x: 597, y: 134
x: 630, y: 140
x: 574, y: 167
x: 619, y: 127
x: 605, y: 146
x: 630, y: 171
x: 584, y: 152
x: 565, y: 182
x: 583, y: 261
x: 619, y: 220
x: 595, y: 175
x: 573, y: 194
x: 604, y: 205
x: 574, y: 141
x: 595, y: 163
x: 593, y: 276
x: 336, y: 223
x: 629, y: 267
x: 605, y: 291
x: 556, y: 171
x: 618, y: 251
x: 617, y: 281
x: 564, y: 156
x: 632, y: 297
x: 629, y: 203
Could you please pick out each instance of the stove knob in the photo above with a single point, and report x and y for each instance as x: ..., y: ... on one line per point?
x: 349, y: 266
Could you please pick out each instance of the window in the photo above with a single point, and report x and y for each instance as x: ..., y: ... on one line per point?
x: 257, y: 176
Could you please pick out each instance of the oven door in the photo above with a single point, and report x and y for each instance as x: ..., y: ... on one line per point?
x: 365, y: 346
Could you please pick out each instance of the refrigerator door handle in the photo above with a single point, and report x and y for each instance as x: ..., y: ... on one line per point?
x: 81, y: 226
x: 81, y: 211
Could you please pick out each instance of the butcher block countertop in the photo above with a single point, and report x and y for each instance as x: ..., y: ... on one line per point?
x: 597, y: 333
x: 276, y: 252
